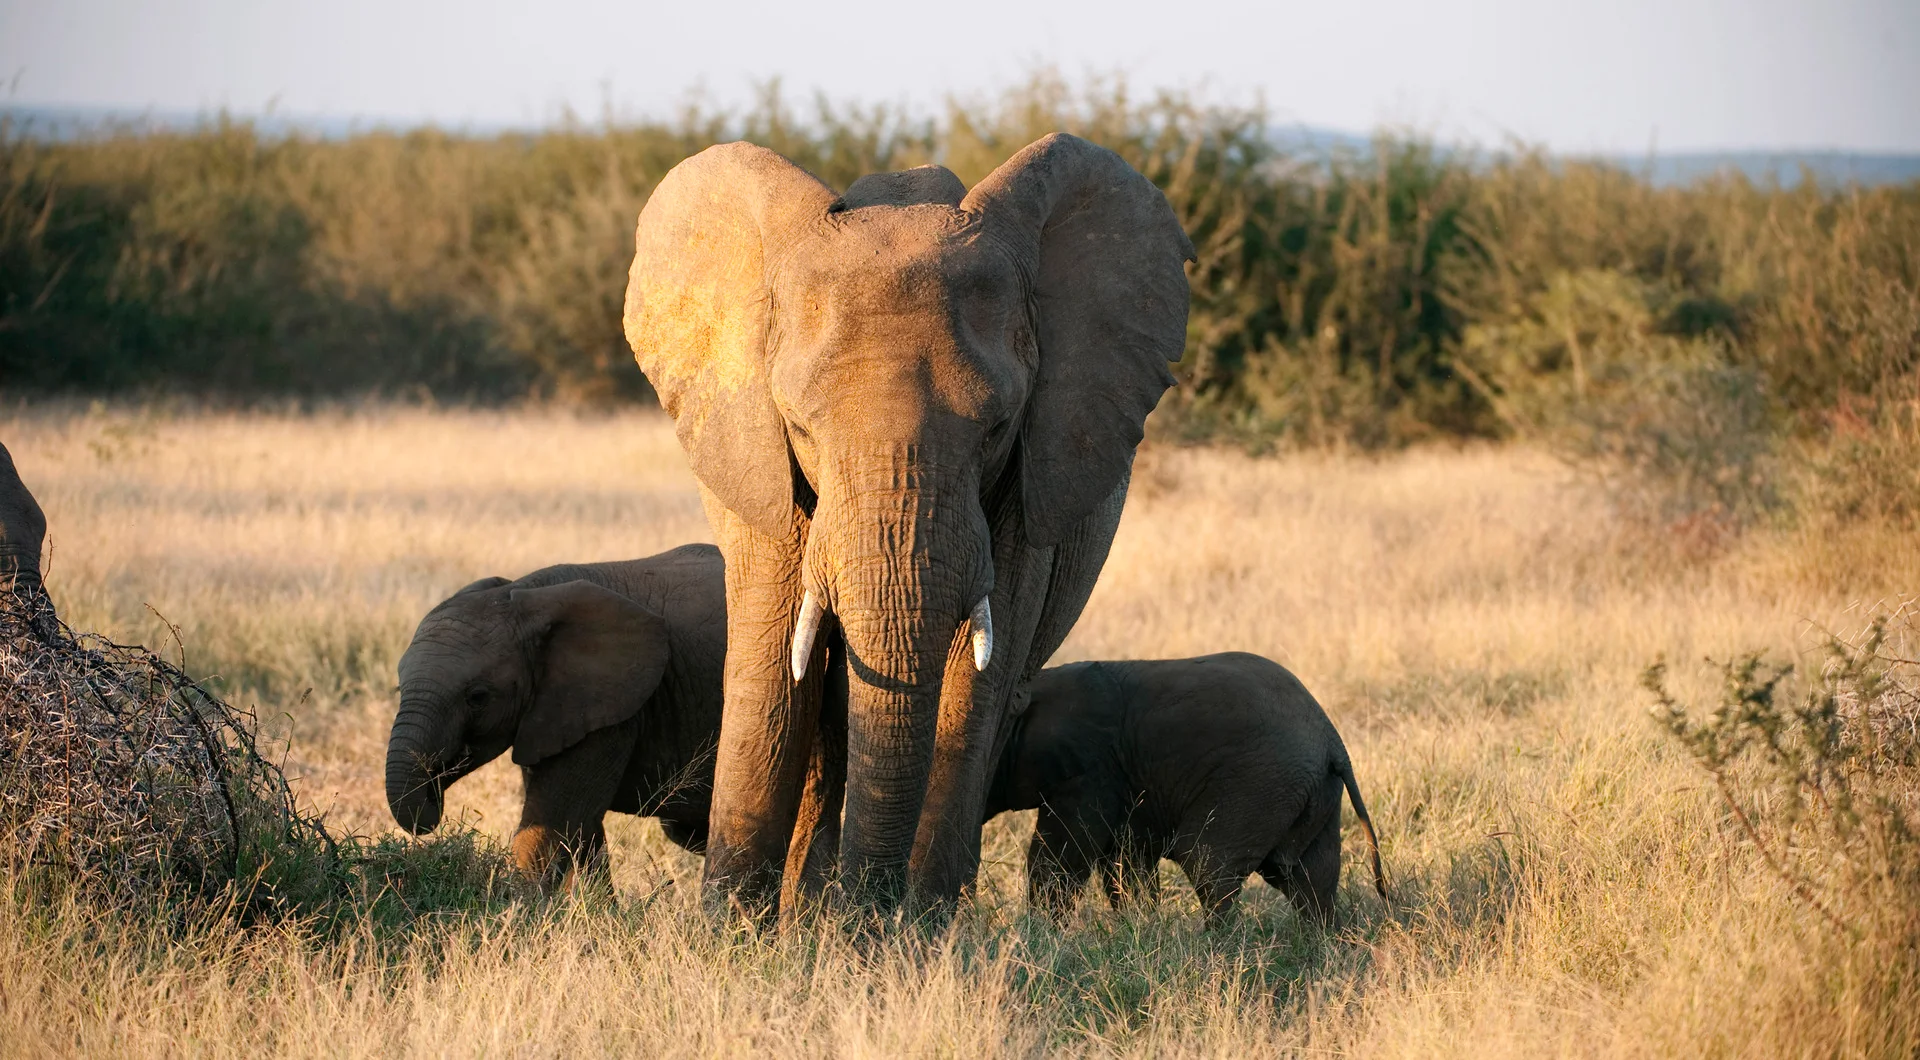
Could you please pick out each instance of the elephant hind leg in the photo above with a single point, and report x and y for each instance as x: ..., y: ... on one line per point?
x: 1217, y: 878
x: 690, y: 836
x: 592, y: 872
x: 1311, y: 881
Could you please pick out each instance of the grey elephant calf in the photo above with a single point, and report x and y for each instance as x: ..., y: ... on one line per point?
x: 1223, y: 763
x: 603, y: 678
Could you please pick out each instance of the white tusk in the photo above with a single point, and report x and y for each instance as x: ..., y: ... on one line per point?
x: 982, y: 619
x: 804, y: 632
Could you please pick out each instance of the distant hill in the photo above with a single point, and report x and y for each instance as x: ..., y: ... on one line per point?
x: 1785, y: 167
x: 1678, y: 167
x: 74, y: 123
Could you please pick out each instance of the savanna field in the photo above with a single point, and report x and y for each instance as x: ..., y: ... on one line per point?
x: 1536, y: 472
x: 1567, y: 878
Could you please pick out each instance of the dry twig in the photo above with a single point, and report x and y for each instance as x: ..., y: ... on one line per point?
x: 118, y: 770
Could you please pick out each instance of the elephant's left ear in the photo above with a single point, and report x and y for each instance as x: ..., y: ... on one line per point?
x: 598, y: 658
x: 1107, y: 256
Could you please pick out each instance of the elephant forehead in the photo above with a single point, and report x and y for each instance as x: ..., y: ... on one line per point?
x: 920, y: 315
x: 460, y: 631
x: 898, y: 258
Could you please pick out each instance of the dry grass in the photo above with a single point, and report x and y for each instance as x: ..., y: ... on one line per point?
x: 1474, y: 621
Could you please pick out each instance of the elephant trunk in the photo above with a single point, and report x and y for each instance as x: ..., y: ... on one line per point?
x: 904, y: 572
x: 419, y: 765
x: 893, y: 705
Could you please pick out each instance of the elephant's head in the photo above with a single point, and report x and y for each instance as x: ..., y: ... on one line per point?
x: 494, y: 666
x: 873, y: 366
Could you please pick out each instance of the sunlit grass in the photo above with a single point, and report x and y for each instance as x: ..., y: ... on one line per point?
x: 1474, y: 620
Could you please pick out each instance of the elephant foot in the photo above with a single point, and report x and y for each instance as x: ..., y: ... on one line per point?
x: 558, y: 863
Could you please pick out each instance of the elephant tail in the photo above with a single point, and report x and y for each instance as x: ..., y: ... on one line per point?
x: 1344, y: 769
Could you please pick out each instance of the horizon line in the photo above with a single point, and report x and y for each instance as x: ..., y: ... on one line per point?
x: 92, y: 117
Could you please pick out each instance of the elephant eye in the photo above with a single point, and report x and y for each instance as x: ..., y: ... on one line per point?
x: 477, y: 698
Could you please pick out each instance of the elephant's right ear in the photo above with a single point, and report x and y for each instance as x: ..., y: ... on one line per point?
x: 698, y: 311
x: 599, y: 656
x: 1106, y: 260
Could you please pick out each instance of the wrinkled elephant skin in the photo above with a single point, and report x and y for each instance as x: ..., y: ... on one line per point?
x: 913, y: 410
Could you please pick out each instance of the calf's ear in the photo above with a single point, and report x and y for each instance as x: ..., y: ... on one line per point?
x: 598, y: 657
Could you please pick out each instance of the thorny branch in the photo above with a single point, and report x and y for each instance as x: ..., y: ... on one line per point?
x: 117, y: 769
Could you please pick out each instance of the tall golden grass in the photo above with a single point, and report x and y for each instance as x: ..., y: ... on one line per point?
x: 1475, y: 620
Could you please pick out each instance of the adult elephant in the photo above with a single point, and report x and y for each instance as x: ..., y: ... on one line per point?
x: 912, y: 410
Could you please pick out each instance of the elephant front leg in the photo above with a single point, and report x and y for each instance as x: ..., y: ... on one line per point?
x: 560, y: 842
x: 1064, y: 850
x: 946, y: 855
x: 1132, y: 875
x: 571, y: 860
x: 813, y: 856
x: 1038, y: 594
x: 766, y: 722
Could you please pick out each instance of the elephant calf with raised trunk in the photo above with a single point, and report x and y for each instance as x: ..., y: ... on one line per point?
x: 603, y: 678
x: 1224, y: 764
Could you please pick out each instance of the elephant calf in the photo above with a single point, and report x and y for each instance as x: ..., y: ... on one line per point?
x: 605, y: 680
x: 1224, y: 764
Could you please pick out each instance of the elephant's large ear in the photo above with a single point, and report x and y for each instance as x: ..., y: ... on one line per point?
x: 697, y: 315
x: 599, y: 656
x: 1106, y: 256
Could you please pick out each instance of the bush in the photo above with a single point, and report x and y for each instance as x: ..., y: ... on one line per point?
x: 1372, y: 298
x: 1864, y: 469
x: 1822, y: 779
x: 1592, y: 367
x: 121, y: 776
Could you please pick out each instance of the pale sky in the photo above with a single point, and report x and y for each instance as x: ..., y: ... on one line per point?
x: 1597, y: 76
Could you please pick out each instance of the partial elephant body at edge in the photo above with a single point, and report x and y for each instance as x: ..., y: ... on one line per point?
x: 22, y: 529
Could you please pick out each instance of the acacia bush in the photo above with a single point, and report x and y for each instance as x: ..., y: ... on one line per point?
x: 1821, y: 777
